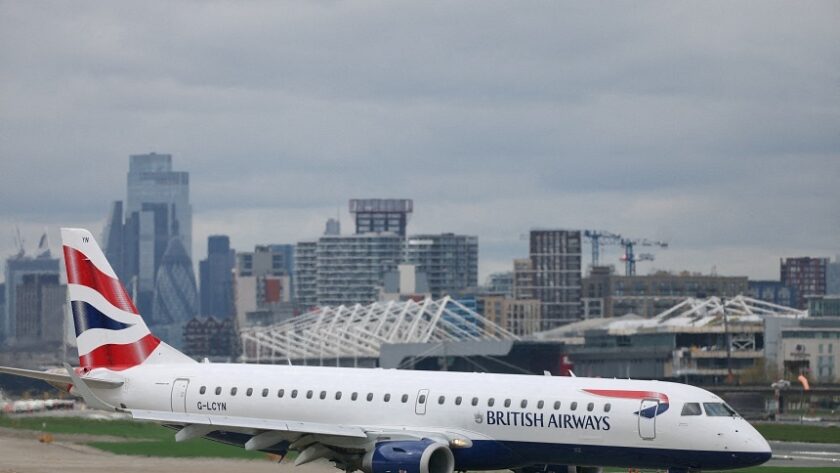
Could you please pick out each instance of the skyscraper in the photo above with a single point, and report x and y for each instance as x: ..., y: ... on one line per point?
x: 175, y: 299
x: 806, y: 275
x: 216, y: 276
x: 333, y: 227
x: 113, y: 237
x: 151, y: 180
x: 137, y: 234
x: 449, y: 261
x: 554, y: 277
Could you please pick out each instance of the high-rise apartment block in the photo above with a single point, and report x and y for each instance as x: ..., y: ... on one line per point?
x: 806, y: 275
x: 20, y: 270
x: 262, y: 284
x: 449, y: 261
x: 216, y: 278
x: 833, y: 276
x: 306, y: 274
x: 554, y: 276
x: 351, y: 269
x: 39, y: 310
x: 381, y: 215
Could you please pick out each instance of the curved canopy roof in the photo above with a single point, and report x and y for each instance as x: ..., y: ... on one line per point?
x: 360, y: 330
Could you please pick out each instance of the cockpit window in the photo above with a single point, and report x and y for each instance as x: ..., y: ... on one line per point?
x: 691, y: 409
x: 719, y: 409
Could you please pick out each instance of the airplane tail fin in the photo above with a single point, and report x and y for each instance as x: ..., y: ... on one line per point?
x: 110, y: 333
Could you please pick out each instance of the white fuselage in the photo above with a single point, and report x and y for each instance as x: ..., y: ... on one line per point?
x: 540, y: 419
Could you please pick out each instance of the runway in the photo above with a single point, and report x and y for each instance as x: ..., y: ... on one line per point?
x: 21, y: 452
x: 804, y: 454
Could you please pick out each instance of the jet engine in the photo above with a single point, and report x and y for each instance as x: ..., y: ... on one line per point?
x: 409, y: 456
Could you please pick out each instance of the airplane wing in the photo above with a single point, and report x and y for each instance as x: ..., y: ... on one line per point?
x: 343, y: 444
x: 59, y: 379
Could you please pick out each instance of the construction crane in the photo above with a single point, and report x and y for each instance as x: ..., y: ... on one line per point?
x: 630, y: 258
x: 598, y: 238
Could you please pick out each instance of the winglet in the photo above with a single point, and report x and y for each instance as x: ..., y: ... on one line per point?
x: 87, y: 394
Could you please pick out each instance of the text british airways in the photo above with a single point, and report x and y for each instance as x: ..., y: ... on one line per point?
x: 540, y: 419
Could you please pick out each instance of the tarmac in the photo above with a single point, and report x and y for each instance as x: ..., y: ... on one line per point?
x: 22, y: 452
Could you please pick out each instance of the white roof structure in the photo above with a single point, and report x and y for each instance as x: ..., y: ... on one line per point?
x: 705, y: 312
x: 359, y: 331
x: 687, y: 315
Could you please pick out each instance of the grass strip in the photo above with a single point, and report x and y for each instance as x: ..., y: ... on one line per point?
x: 189, y: 449
x: 800, y: 433
x: 78, y: 425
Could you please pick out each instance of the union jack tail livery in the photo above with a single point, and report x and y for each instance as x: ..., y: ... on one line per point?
x: 110, y: 333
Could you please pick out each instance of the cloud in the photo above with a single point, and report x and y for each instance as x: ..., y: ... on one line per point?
x: 712, y: 126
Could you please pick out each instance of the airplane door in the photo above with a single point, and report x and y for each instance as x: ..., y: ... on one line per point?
x: 647, y: 418
x: 422, y: 400
x: 179, y: 395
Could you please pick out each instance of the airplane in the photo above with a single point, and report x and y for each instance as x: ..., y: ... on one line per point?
x: 386, y: 421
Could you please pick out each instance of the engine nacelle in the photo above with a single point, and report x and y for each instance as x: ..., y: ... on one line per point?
x: 409, y: 456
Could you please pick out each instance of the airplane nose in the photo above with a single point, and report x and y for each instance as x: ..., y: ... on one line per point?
x: 760, y: 451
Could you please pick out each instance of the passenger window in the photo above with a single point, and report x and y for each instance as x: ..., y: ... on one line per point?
x: 309, y: 394
x: 507, y: 402
x: 556, y: 405
x: 218, y: 390
x: 490, y: 402
x: 441, y: 399
x: 422, y: 399
x: 387, y: 398
x: 233, y: 391
x: 574, y: 406
x: 354, y: 396
x: 404, y: 398
x: 590, y: 406
x: 323, y: 395
x: 338, y: 395
x: 294, y: 393
x: 607, y: 407
x: 249, y: 392
x: 202, y: 390
x: 523, y: 404
x: 281, y: 392
x: 458, y: 401
x: 474, y: 401
x: 370, y: 397
x: 265, y: 392
x: 540, y: 404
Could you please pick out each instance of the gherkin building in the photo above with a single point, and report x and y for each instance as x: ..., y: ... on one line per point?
x: 176, y: 297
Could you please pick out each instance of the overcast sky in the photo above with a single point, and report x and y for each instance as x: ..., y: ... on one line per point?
x: 713, y: 125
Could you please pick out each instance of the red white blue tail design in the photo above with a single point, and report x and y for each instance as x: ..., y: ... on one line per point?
x: 110, y: 333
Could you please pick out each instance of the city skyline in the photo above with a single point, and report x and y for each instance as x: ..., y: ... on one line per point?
x: 712, y: 128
